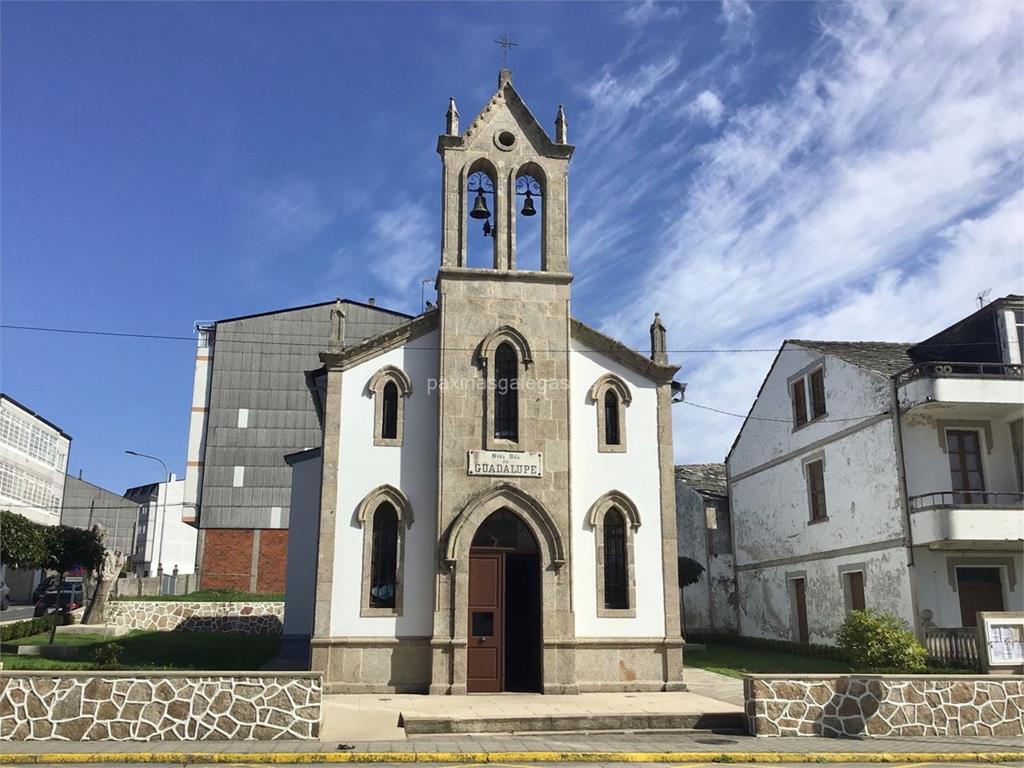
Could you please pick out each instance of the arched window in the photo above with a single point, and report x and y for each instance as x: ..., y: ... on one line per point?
x: 616, y: 574
x: 611, y: 418
x: 481, y: 217
x: 506, y: 393
x: 384, y: 557
x: 529, y: 218
x: 389, y: 412
x: 389, y: 387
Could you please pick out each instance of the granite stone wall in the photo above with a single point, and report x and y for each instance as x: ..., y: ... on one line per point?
x: 883, y: 705
x: 162, y: 706
x: 255, y: 618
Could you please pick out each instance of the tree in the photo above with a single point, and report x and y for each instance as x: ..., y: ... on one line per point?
x: 22, y: 542
x: 690, y: 571
x: 67, y: 548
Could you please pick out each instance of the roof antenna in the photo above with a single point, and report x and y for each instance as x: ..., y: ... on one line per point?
x: 982, y: 296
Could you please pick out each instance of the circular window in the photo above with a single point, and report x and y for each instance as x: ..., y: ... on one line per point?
x: 505, y: 140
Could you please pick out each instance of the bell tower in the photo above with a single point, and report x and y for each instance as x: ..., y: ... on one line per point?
x: 502, y: 169
x: 503, y: 395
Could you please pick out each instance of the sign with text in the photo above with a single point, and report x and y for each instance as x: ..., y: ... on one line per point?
x: 506, y: 463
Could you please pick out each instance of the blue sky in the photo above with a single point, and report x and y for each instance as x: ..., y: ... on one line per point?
x: 753, y: 171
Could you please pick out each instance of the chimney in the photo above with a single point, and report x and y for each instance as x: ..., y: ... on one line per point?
x: 371, y: 301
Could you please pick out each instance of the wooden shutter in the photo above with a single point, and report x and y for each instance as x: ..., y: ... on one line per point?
x: 816, y: 489
x: 799, y: 396
x: 817, y: 393
x: 855, y: 583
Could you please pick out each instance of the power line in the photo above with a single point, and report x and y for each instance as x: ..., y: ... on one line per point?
x: 320, y: 345
x: 782, y: 421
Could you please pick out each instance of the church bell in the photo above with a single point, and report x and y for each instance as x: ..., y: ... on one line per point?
x: 480, y: 207
x: 528, y: 209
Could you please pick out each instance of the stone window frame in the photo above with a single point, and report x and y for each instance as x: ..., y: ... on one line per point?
x: 364, y: 518
x: 375, y: 388
x: 805, y: 462
x: 595, y: 395
x: 595, y: 519
x: 484, y: 359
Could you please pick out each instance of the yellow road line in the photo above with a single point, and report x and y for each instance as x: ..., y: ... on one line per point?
x: 491, y: 758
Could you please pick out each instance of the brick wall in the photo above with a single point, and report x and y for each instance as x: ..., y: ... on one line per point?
x: 228, y: 561
x: 272, y: 560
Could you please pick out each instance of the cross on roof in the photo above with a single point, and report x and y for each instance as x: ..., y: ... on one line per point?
x: 506, y: 43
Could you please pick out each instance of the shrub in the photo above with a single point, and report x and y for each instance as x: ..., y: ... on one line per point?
x: 108, y: 655
x: 782, y: 646
x: 19, y: 629
x: 876, y: 640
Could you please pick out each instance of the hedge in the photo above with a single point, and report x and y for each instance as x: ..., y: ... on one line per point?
x: 764, y: 643
x: 19, y: 629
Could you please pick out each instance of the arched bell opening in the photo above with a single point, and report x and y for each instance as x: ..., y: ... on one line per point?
x: 530, y: 218
x: 481, y: 216
x: 505, y: 607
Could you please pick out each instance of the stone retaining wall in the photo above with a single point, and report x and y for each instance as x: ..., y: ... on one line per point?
x: 253, y: 618
x: 165, y: 706
x: 884, y: 705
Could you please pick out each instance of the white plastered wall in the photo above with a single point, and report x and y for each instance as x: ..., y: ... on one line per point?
x: 936, y: 589
x: 635, y: 473
x: 412, y: 468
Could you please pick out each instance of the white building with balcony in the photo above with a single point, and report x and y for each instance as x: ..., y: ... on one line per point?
x: 885, y: 476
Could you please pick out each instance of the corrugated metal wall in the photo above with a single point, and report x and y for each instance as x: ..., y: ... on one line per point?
x: 260, y: 363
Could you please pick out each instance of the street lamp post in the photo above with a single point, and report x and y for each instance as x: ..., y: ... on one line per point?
x: 162, y: 503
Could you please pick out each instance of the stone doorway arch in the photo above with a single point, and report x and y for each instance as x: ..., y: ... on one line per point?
x: 451, y: 635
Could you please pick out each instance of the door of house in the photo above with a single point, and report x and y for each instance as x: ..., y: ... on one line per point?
x: 504, y: 649
x: 800, y: 610
x: 980, y: 589
x: 964, y: 451
x: 485, y: 663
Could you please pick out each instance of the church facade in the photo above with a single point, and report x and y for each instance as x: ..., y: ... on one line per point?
x: 495, y: 507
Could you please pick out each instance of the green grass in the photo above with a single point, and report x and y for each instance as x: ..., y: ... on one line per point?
x: 152, y: 650
x: 209, y: 596
x: 736, y: 660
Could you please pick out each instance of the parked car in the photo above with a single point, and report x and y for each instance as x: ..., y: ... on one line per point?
x: 71, y: 597
x: 5, y: 593
x: 50, y: 583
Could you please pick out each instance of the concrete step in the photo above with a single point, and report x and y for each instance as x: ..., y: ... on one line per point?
x: 733, y: 722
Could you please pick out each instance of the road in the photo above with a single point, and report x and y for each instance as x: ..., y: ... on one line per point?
x: 16, y: 613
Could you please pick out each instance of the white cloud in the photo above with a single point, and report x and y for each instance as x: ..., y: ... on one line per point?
x: 844, y: 205
x: 291, y: 209
x: 402, y: 252
x: 645, y: 11
x: 707, y: 106
x: 738, y: 17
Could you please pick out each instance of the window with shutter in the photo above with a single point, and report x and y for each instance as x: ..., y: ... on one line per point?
x: 615, y: 565
x: 816, y: 489
x: 506, y: 393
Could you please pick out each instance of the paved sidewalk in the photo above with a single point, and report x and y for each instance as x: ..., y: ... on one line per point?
x: 543, y: 746
x: 714, y: 686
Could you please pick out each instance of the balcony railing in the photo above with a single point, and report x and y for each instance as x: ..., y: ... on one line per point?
x: 952, y: 370
x: 950, y: 499
x: 955, y: 646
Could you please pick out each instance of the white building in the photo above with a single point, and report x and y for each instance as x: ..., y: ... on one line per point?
x: 164, y: 539
x: 33, y: 464
x: 496, y: 510
x: 842, y: 500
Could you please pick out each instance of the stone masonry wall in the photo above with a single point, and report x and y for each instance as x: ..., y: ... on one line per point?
x: 255, y: 618
x: 882, y: 705
x: 162, y: 706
